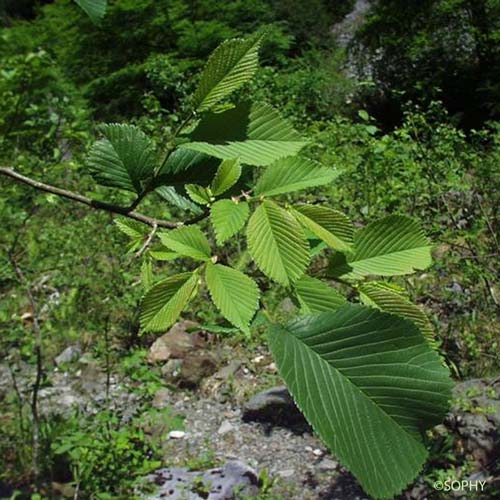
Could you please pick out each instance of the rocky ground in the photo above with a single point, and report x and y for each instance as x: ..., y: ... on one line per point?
x: 254, y: 438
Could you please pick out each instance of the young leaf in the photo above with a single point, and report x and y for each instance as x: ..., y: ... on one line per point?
x: 147, y: 274
x: 316, y: 296
x: 293, y: 174
x: 391, y: 246
x: 95, y: 9
x: 124, y: 158
x: 164, y: 302
x: 227, y: 175
x: 232, y: 64
x: 134, y: 230
x: 369, y: 384
x: 329, y: 225
x: 198, y: 194
x: 254, y: 133
x: 234, y: 293
x: 163, y: 255
x: 228, y: 218
x: 386, y: 298
x: 277, y: 243
x: 188, y: 241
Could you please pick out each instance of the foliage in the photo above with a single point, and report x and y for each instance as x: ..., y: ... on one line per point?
x: 245, y: 136
x: 437, y: 49
x: 138, y: 64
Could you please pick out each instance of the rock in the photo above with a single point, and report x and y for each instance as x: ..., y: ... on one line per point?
x: 286, y: 473
x: 317, y: 452
x: 176, y: 343
x: 176, y: 434
x: 225, y: 428
x: 475, y: 419
x: 161, y: 399
x: 70, y: 354
x: 327, y: 465
x: 224, y: 483
x: 195, y: 368
x: 275, y: 406
x: 171, y: 370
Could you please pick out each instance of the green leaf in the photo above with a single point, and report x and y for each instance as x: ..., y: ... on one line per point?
x: 188, y: 241
x: 369, y: 384
x: 135, y: 230
x: 254, y: 133
x: 147, y: 273
x: 293, y: 174
x: 277, y: 243
x: 171, y: 196
x: 132, y: 228
x: 391, y: 246
x: 386, y: 298
x: 228, y: 218
x: 232, y: 64
x: 227, y: 175
x: 163, y: 255
x: 164, y: 302
x: 95, y: 9
x: 199, y: 194
x: 329, y: 225
x: 234, y: 293
x: 316, y: 296
x: 124, y: 158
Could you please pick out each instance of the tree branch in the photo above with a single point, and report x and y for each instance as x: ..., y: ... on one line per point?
x: 96, y: 204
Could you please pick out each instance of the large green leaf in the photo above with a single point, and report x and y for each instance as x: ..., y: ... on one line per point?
x: 293, y: 174
x: 254, y: 133
x: 316, y: 296
x: 277, y: 243
x: 124, y: 158
x: 163, y: 303
x: 234, y: 293
x: 370, y: 385
x: 228, y: 218
x: 232, y: 64
x: 227, y: 175
x: 329, y: 225
x: 391, y: 246
x: 188, y: 241
x: 184, y: 166
x: 387, y: 298
x: 95, y: 9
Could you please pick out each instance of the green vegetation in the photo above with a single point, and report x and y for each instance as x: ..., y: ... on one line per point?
x: 219, y: 187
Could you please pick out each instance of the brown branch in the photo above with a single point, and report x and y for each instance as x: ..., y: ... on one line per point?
x: 96, y: 204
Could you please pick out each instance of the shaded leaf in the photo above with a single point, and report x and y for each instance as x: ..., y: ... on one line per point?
x: 329, y: 225
x: 316, y: 296
x: 124, y: 158
x: 254, y: 133
x: 369, y: 384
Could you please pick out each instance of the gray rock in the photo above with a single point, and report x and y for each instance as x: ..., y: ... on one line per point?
x: 275, y: 406
x: 225, y: 428
x: 214, y: 484
x: 70, y: 354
